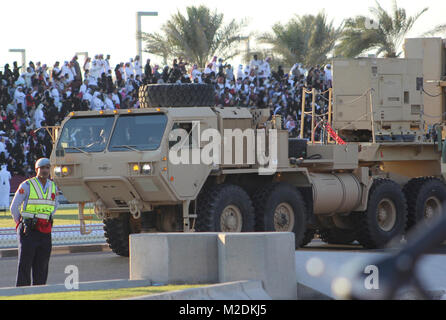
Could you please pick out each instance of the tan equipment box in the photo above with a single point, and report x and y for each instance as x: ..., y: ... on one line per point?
x: 388, y: 88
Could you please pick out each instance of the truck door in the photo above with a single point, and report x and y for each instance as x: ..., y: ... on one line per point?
x: 187, y: 176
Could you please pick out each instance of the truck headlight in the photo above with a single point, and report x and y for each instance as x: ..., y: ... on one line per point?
x: 66, y: 171
x: 136, y: 168
x: 62, y: 171
x: 146, y: 168
x: 58, y: 171
x: 141, y: 168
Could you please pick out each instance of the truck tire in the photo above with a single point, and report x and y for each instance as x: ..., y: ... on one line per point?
x: 281, y: 207
x: 176, y: 95
x: 116, y: 232
x: 386, y: 215
x: 337, y: 236
x: 224, y: 208
x: 425, y: 197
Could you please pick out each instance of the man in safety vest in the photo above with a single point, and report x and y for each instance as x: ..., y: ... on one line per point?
x: 32, y: 208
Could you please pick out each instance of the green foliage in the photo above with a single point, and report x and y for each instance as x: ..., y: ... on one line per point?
x: 110, y: 294
x: 438, y: 30
x: 196, y: 36
x: 306, y: 39
x: 382, y: 32
x: 61, y: 218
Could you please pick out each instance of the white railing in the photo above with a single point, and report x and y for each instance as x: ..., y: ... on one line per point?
x: 61, y: 235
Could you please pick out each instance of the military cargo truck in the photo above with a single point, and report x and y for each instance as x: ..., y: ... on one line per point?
x: 149, y: 169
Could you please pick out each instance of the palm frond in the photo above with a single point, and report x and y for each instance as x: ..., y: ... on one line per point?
x: 385, y: 38
x: 197, y: 35
x: 440, y: 29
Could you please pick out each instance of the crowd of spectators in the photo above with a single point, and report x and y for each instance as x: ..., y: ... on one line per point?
x: 42, y: 96
x: 256, y: 85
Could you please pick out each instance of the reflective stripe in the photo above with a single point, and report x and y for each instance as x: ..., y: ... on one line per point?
x: 51, y: 190
x: 36, y: 188
x: 39, y: 201
x: 38, y: 215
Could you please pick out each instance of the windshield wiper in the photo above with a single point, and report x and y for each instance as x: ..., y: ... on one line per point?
x: 78, y: 149
x: 133, y: 148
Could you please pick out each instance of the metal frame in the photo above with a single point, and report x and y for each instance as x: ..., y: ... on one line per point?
x: 139, y: 15
x: 23, y: 52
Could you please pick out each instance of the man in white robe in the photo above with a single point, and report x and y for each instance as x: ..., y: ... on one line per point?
x: 128, y: 71
x: 87, y: 96
x: 108, y: 103
x: 138, y: 67
x: 39, y: 116
x: 56, y: 96
x: 5, y: 187
x: 19, y: 96
x: 97, y: 104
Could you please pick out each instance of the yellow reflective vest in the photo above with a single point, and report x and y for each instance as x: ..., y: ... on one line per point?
x: 40, y: 204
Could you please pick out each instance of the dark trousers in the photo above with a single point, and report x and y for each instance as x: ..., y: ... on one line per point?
x: 34, y: 251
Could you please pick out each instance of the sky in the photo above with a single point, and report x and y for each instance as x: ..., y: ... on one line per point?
x: 51, y: 30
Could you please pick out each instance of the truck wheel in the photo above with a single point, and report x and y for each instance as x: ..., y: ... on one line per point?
x: 224, y: 208
x: 116, y: 232
x: 280, y: 207
x: 337, y: 236
x: 425, y: 197
x: 386, y: 215
x: 176, y: 95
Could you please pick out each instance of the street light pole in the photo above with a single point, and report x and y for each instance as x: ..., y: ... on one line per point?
x: 248, y: 49
x: 140, y: 14
x: 23, y: 52
x: 85, y: 54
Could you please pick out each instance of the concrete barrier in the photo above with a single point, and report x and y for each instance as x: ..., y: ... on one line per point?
x: 262, y: 256
x: 174, y: 257
x: 193, y: 258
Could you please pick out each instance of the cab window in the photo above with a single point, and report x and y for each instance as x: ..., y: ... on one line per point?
x: 143, y: 132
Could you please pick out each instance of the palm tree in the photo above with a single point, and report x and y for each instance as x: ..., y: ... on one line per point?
x: 196, y: 36
x: 440, y: 29
x: 305, y: 39
x: 157, y: 44
x: 383, y: 32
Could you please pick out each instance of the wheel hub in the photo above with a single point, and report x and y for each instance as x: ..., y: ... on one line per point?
x: 284, y: 218
x: 432, y: 208
x: 231, y: 219
x: 386, y: 214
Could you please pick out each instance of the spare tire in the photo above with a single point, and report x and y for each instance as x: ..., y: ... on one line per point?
x: 176, y: 95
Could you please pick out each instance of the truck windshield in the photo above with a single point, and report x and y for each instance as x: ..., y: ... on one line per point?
x: 85, y: 134
x: 138, y: 132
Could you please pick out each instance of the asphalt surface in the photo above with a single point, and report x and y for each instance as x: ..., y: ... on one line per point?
x: 318, y: 245
x: 97, y: 266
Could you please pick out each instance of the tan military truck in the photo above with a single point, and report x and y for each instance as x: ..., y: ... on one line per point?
x: 181, y: 164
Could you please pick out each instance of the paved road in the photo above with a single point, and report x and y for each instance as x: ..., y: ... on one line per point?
x: 346, y: 262
x: 318, y: 245
x: 92, y: 267
x: 108, y: 266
